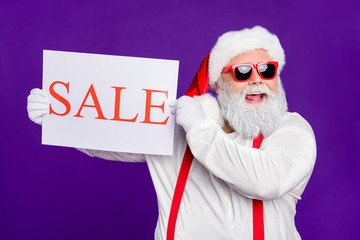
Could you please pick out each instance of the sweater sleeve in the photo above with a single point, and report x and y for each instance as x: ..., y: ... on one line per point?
x: 284, y: 160
x: 114, y: 156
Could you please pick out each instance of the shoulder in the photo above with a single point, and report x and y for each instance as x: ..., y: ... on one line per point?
x: 293, y: 129
x: 294, y: 138
x: 295, y: 121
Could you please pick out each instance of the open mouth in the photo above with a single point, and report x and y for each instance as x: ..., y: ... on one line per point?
x: 255, y: 98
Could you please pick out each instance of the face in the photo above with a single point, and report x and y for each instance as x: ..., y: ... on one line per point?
x: 253, y: 57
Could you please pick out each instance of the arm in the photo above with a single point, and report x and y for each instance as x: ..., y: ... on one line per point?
x: 286, y: 158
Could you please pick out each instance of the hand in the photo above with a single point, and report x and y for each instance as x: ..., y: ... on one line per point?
x: 188, y: 112
x: 37, y: 105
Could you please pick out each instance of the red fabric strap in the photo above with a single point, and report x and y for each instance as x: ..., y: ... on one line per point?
x: 257, y: 141
x: 179, y: 190
x: 258, y: 211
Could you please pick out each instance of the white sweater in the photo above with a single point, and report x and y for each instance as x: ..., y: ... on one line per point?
x: 226, y: 174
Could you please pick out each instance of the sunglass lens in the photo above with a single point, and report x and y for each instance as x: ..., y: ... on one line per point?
x: 267, y: 70
x: 243, y: 73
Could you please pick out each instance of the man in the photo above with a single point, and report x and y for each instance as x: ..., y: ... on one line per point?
x: 251, y: 158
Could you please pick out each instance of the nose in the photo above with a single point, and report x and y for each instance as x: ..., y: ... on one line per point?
x: 255, y: 79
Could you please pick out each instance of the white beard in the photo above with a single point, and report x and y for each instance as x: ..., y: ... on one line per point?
x: 251, y: 119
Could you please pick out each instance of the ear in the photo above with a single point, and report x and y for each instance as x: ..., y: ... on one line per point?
x: 217, y: 88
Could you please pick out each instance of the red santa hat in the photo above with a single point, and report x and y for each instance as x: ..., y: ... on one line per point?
x: 230, y: 45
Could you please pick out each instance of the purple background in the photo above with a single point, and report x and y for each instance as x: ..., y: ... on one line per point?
x: 51, y: 192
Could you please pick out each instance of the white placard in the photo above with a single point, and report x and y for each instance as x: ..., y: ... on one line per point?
x: 111, y: 103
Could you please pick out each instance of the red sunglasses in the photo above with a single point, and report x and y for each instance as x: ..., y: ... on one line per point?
x: 244, y: 71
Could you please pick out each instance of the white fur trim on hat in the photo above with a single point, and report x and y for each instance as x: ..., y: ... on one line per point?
x: 234, y: 43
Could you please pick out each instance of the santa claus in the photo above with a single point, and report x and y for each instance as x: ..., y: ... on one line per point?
x: 241, y: 161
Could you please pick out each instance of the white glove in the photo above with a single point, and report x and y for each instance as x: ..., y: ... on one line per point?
x: 37, y: 105
x: 188, y: 112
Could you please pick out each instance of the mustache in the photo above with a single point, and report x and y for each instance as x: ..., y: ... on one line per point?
x: 248, y: 90
x: 256, y: 89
